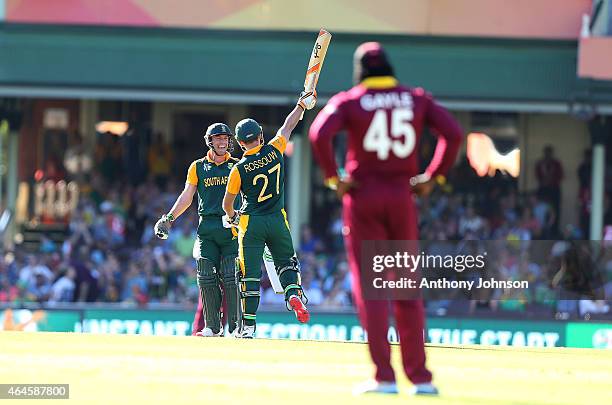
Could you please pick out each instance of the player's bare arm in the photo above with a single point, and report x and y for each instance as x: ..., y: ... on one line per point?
x: 183, y: 201
x: 231, y: 217
x: 163, y: 225
x: 292, y: 120
x: 228, y: 204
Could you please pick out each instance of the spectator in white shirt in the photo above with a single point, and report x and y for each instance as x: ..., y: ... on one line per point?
x: 63, y: 289
x: 27, y: 274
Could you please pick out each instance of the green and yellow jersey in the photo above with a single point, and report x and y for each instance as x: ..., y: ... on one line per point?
x: 211, y: 180
x: 260, y: 177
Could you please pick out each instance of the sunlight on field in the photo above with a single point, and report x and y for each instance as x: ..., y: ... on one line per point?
x: 135, y: 369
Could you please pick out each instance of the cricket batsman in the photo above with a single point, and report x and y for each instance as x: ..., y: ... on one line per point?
x: 260, y: 178
x: 384, y: 121
x: 218, y: 245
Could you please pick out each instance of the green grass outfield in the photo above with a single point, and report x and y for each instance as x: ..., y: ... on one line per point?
x: 147, y: 369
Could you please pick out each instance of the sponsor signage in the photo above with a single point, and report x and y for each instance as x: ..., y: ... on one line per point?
x: 323, y: 326
x: 589, y: 335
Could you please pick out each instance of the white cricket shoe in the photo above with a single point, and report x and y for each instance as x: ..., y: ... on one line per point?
x: 376, y: 387
x: 424, y: 389
x: 245, y: 332
x: 207, y: 332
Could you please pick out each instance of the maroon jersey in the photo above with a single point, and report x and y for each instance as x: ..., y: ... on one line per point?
x: 384, y: 121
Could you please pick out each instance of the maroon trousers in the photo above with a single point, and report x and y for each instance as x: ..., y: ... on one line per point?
x: 385, y: 211
x: 198, y: 321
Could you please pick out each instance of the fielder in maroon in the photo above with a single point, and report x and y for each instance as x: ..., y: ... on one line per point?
x: 384, y: 121
x: 198, y: 320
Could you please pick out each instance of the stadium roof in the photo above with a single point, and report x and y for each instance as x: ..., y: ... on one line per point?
x: 268, y: 67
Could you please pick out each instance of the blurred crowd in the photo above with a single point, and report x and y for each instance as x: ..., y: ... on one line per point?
x: 519, y: 237
x: 112, y: 255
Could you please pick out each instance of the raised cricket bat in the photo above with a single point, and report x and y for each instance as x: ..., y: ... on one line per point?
x: 317, y: 57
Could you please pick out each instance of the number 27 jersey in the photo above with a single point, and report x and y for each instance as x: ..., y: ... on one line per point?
x: 384, y: 121
x: 260, y: 177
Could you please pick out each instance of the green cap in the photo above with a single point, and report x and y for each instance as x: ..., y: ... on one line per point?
x: 248, y: 130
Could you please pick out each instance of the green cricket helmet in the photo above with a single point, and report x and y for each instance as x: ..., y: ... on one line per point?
x: 248, y: 130
x: 219, y: 128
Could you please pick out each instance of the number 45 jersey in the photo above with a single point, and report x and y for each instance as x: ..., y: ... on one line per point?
x: 260, y: 176
x: 384, y: 121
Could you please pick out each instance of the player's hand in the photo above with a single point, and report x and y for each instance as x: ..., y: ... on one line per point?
x: 340, y: 186
x: 229, y: 222
x: 163, y: 225
x: 308, y: 100
x: 344, y: 186
x: 422, y: 184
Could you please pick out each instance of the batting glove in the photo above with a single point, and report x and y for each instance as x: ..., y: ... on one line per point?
x: 163, y: 225
x: 233, y: 221
x: 308, y: 100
